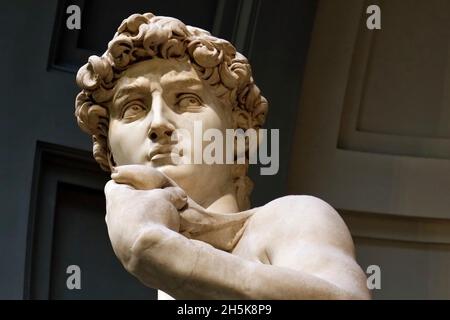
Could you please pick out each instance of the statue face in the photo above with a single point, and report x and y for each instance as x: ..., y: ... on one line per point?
x: 151, y: 100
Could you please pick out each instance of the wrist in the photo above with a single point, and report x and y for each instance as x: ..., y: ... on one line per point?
x: 162, y: 258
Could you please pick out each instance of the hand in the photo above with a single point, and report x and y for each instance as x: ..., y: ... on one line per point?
x: 142, y: 177
x: 146, y: 211
x: 222, y: 230
x: 129, y: 211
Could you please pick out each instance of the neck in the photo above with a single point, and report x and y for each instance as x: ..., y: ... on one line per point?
x: 220, y: 223
x: 226, y: 203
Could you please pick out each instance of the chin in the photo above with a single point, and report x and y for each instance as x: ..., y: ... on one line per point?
x: 187, y: 177
x: 178, y: 173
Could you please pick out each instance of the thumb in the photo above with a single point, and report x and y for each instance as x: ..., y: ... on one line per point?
x: 141, y: 177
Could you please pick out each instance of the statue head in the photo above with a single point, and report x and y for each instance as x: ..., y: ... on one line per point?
x: 159, y: 75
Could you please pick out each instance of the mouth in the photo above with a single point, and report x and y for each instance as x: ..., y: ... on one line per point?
x: 165, y: 153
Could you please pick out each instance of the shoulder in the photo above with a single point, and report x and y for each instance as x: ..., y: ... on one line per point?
x: 306, y: 219
x: 306, y: 234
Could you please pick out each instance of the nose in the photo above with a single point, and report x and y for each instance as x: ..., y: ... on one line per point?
x: 161, y: 129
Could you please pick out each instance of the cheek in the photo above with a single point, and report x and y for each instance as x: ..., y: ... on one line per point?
x: 127, y: 143
x: 216, y: 119
x: 194, y: 126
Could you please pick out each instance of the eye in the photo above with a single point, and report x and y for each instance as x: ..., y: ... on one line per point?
x: 133, y: 110
x: 189, y: 103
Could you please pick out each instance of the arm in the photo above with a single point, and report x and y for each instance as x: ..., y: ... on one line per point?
x: 208, y: 273
x: 313, y: 260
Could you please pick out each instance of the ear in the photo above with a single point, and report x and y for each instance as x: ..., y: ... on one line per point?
x: 244, y: 120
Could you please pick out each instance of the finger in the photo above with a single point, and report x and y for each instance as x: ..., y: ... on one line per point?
x: 115, y: 190
x: 125, y: 179
x: 117, y: 196
x: 176, y: 196
x: 110, y: 187
x: 140, y: 177
x: 112, y: 190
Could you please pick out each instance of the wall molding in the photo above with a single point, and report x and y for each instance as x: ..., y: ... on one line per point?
x: 234, y: 20
x: 398, y: 228
x: 53, y: 165
x: 352, y: 136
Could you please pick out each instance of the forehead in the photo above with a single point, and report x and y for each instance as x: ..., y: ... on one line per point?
x: 159, y: 71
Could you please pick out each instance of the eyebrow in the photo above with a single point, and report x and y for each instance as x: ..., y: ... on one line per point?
x: 139, y: 86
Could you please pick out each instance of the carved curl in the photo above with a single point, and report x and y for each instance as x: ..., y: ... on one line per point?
x: 144, y: 36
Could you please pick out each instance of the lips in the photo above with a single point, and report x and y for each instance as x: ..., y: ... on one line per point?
x: 160, y: 152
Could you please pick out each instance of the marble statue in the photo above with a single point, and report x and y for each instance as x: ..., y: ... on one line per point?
x: 188, y: 229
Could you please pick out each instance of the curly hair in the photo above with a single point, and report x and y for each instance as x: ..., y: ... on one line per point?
x: 144, y: 36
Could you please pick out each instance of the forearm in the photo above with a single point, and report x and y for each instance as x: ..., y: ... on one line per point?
x: 199, y: 271
x: 221, y: 275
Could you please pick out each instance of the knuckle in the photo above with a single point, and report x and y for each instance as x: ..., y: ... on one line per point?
x: 156, y: 194
x: 177, y: 196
